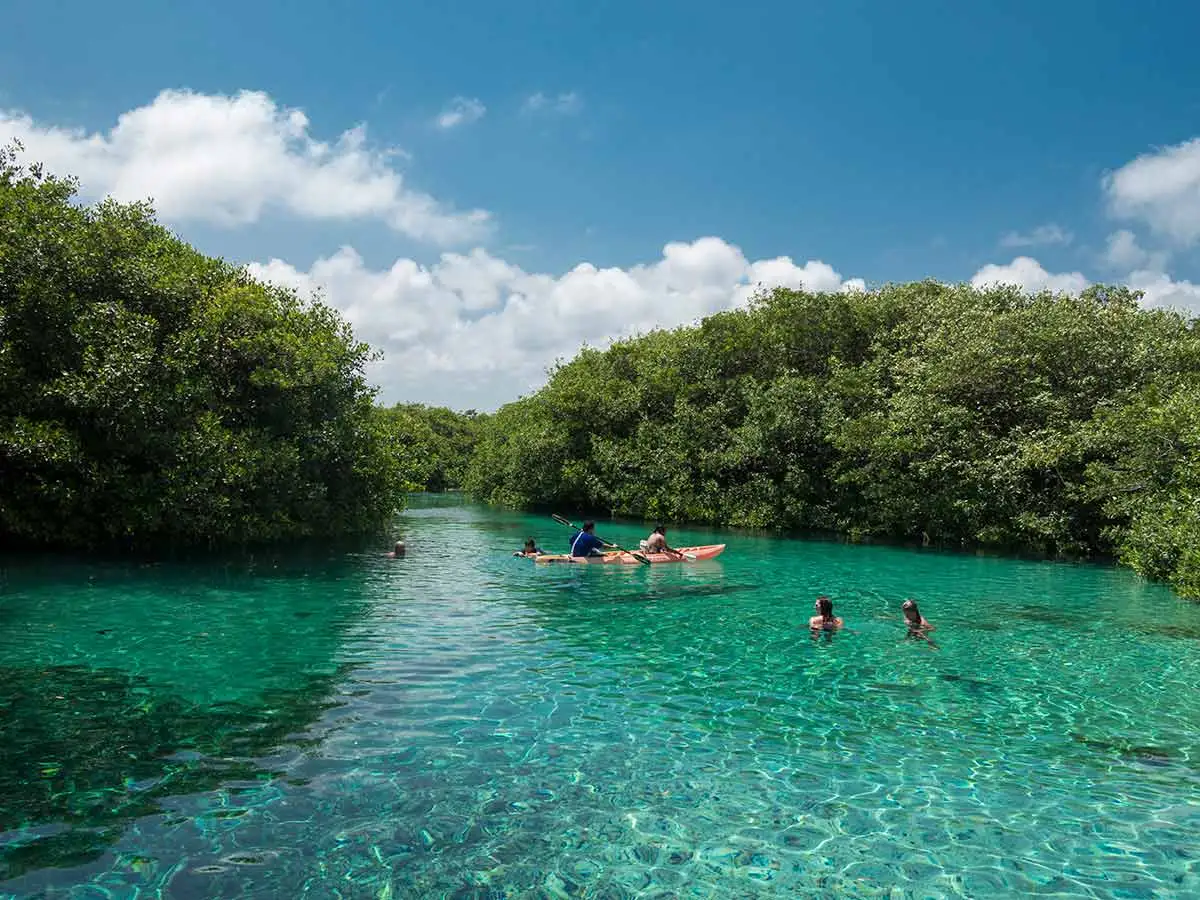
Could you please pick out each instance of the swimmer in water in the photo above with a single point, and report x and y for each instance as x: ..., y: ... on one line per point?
x: 531, y: 549
x: 824, y: 620
x: 912, y: 616
x: 918, y: 626
x: 397, y: 551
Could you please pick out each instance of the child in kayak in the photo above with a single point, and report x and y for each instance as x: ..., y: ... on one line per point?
x: 531, y: 549
x: 657, y: 542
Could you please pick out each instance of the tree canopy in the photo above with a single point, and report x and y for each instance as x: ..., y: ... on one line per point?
x: 152, y: 395
x: 1061, y: 424
x: 439, y: 440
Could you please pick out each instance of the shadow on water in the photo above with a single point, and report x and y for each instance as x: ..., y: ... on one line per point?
x: 670, y: 592
x: 1181, y: 632
x: 125, y: 684
x: 1146, y: 753
x: 87, y: 752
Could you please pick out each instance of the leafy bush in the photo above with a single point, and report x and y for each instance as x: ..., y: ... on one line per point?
x: 925, y: 410
x: 152, y: 395
x: 440, y: 441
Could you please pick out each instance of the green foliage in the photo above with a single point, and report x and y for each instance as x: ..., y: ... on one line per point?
x: 438, y: 441
x: 152, y: 395
x: 1148, y: 480
x: 925, y: 410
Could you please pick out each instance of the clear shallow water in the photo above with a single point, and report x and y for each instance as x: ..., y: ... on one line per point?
x: 466, y: 724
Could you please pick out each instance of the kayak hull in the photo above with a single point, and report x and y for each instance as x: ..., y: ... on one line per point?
x: 624, y: 557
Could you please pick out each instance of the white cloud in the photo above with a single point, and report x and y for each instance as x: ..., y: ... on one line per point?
x: 1028, y: 274
x: 566, y: 103
x: 475, y: 330
x: 228, y: 160
x: 1123, y: 251
x: 1161, y: 291
x: 460, y: 111
x: 1042, y: 236
x: 1161, y: 189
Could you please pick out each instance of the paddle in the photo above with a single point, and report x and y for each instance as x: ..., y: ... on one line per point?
x: 561, y: 521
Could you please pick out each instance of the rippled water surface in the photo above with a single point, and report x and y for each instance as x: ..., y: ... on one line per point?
x: 462, y: 723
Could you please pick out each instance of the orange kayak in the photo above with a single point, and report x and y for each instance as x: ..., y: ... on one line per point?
x: 624, y: 557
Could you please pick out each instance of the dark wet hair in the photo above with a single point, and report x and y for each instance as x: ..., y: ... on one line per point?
x: 531, y: 544
x: 588, y: 526
x: 660, y: 529
x: 825, y: 605
x: 910, y: 603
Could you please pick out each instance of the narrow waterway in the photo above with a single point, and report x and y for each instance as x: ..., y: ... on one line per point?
x: 463, y: 723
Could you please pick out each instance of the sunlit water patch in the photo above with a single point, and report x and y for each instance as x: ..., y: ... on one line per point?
x: 463, y: 723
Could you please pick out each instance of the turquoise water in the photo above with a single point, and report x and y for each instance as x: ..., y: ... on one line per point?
x: 460, y: 723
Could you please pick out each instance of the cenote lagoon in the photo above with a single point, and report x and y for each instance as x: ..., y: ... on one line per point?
x: 463, y: 723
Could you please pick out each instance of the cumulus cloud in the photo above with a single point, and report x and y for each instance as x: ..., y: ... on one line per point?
x: 1123, y: 250
x: 1161, y: 189
x: 1161, y: 291
x: 1028, y: 274
x: 460, y: 111
x: 1042, y: 236
x: 566, y: 103
x: 227, y: 160
x: 1158, y: 288
x: 474, y: 330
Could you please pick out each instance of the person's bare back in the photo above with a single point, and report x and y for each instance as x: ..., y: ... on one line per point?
x: 657, y: 542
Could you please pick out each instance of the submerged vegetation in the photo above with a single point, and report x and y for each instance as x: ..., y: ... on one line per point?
x: 1061, y: 424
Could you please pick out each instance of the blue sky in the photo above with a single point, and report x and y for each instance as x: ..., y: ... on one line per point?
x: 890, y: 141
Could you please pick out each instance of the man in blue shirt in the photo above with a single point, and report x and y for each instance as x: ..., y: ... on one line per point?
x: 585, y: 542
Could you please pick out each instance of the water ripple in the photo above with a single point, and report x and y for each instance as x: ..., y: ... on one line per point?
x: 462, y: 723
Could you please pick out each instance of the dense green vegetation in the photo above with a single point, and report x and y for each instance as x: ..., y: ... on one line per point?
x: 989, y: 417
x: 440, y: 442
x: 151, y: 395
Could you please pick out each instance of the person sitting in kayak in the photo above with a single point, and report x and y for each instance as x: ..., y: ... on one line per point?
x: 585, y: 542
x: 824, y: 620
x: 531, y: 549
x: 657, y: 542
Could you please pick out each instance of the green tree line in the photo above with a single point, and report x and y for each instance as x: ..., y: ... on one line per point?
x: 440, y: 442
x: 1046, y: 422
x: 151, y: 395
